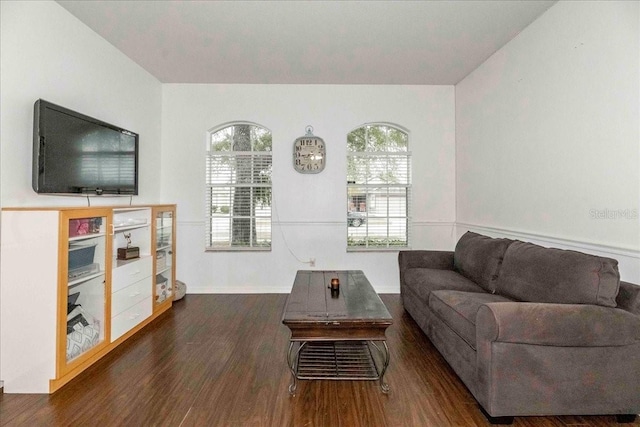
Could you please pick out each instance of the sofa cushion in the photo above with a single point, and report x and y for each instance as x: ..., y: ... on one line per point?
x: 560, y: 325
x: 537, y: 274
x: 423, y: 281
x: 479, y: 257
x: 458, y: 310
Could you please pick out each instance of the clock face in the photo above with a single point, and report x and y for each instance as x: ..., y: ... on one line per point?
x: 309, y: 154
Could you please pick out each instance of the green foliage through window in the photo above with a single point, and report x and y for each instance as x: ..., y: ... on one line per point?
x: 378, y: 187
x: 239, y: 194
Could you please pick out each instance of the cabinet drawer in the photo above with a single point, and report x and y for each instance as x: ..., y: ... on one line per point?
x: 130, y: 273
x: 130, y: 296
x: 129, y: 318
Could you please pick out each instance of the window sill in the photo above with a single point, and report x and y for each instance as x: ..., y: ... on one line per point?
x: 394, y: 249
x: 238, y: 249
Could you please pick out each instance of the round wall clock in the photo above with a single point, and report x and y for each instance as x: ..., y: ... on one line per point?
x: 309, y: 153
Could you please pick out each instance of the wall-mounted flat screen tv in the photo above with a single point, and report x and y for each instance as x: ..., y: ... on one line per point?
x: 77, y: 154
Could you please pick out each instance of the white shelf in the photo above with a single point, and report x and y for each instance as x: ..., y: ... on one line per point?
x: 85, y: 237
x: 163, y: 270
x: 122, y: 262
x: 86, y: 278
x: 121, y: 228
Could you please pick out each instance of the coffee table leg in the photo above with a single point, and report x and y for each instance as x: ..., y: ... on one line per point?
x: 384, y: 385
x: 385, y: 356
x: 292, y: 361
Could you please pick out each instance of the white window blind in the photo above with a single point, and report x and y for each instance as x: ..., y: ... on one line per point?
x: 238, y: 193
x: 378, y: 188
x: 111, y: 167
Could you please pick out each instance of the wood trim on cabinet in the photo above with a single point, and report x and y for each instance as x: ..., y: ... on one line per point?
x: 55, y: 384
x: 154, y: 238
x: 65, y: 372
x: 62, y: 366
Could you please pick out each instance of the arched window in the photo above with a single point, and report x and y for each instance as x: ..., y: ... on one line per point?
x: 378, y: 187
x: 238, y: 199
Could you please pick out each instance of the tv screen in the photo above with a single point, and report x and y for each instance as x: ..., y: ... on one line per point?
x: 77, y: 154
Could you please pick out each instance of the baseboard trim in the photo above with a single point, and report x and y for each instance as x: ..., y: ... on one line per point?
x: 262, y: 290
x: 245, y: 289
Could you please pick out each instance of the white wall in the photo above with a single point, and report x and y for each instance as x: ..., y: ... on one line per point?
x: 548, y: 137
x: 309, y: 210
x: 47, y: 53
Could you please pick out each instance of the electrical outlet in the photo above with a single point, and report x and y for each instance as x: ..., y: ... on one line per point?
x: 312, y: 262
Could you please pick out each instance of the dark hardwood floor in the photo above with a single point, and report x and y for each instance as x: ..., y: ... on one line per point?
x: 219, y: 360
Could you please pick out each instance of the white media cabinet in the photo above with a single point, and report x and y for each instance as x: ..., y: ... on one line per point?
x: 67, y: 298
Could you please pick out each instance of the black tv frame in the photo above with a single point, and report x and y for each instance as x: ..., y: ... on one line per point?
x: 39, y: 147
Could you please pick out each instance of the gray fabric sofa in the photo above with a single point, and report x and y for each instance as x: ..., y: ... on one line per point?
x: 529, y: 330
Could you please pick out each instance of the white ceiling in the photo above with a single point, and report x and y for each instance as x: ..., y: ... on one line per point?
x: 308, y: 42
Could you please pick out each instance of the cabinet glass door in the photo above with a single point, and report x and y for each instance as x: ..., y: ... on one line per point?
x: 164, y: 241
x: 82, y: 309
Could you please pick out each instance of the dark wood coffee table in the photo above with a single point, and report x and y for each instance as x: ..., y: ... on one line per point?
x: 336, y: 336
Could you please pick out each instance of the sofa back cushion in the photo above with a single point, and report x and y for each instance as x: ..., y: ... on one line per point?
x: 479, y: 257
x: 537, y: 274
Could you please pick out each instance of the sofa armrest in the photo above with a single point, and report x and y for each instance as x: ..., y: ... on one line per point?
x: 561, y: 325
x: 629, y: 297
x: 441, y: 260
x: 545, y: 359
